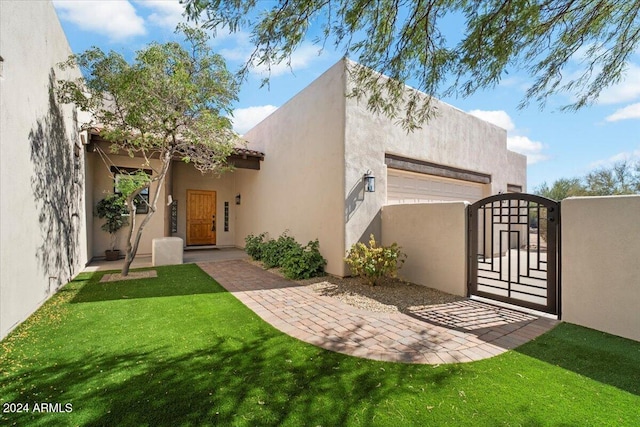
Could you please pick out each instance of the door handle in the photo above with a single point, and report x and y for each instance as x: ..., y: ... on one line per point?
x: 213, y: 223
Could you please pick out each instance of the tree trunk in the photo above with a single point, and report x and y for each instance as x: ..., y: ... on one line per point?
x: 133, y: 242
x: 128, y: 259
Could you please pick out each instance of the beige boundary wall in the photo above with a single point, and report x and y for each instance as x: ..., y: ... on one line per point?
x: 433, y: 236
x: 601, y: 263
x: 600, y: 256
x: 43, y: 223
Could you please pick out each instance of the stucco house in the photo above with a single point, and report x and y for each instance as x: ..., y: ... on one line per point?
x: 320, y: 144
x: 304, y: 172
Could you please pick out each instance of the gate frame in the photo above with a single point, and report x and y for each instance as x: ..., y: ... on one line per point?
x: 554, y: 302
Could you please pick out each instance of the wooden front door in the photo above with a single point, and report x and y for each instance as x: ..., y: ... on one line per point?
x: 201, y: 217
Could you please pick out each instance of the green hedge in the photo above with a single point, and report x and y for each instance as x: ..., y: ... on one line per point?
x: 295, y: 260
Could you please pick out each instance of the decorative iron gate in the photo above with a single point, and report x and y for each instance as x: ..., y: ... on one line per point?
x: 514, y: 250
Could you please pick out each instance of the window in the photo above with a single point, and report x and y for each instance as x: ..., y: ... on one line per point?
x: 226, y: 216
x: 142, y: 200
x: 514, y: 188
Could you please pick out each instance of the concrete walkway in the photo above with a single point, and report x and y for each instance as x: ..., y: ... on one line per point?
x: 462, y: 331
x: 190, y: 256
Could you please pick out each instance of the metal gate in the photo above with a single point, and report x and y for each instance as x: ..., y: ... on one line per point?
x: 514, y: 250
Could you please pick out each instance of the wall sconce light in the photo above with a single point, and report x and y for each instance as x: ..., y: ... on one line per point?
x: 369, y: 182
x: 238, y: 199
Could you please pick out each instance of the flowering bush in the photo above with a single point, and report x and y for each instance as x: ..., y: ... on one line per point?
x: 374, y: 262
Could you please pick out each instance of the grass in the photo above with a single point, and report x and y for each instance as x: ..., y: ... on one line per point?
x: 180, y: 351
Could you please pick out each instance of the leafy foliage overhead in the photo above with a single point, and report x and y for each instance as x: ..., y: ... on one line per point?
x: 403, y: 40
x: 172, y: 100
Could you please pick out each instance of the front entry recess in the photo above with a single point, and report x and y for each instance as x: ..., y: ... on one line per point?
x: 201, y: 217
x: 514, y: 251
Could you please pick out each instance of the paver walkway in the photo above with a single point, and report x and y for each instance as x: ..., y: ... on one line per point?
x: 462, y: 331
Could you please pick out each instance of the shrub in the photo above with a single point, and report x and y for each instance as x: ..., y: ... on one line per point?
x: 373, y: 262
x: 304, y: 262
x: 274, y: 251
x: 114, y: 210
x: 296, y: 261
x: 253, y: 245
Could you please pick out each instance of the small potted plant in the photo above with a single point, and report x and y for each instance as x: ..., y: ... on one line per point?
x: 113, y: 209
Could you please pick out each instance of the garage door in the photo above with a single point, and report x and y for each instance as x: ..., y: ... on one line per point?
x: 409, y: 187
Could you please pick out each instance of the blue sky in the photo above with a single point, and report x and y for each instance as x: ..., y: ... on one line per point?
x: 557, y: 144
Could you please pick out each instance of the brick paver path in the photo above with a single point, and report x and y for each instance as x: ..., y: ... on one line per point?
x: 462, y: 331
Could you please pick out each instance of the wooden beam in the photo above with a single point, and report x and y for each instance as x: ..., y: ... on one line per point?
x: 427, y: 168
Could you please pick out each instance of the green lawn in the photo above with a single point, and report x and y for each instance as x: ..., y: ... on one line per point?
x: 180, y: 351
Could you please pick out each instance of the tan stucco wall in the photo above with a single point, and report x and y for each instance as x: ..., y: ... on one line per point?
x: 300, y: 184
x: 91, y: 164
x: 319, y: 145
x: 42, y: 207
x: 103, y: 185
x: 433, y: 236
x: 514, y: 173
x: 601, y: 263
x: 453, y: 138
x: 186, y: 177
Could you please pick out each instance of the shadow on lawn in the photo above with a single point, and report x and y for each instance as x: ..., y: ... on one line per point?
x: 259, y: 381
x: 180, y: 280
x: 602, y: 357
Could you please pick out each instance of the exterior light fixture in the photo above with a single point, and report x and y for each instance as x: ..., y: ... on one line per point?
x: 369, y: 182
x: 238, y: 198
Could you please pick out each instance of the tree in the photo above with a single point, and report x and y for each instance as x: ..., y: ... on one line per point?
x: 168, y: 103
x: 562, y: 188
x: 403, y: 40
x: 621, y: 178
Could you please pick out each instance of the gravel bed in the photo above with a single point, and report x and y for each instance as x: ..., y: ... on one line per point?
x: 391, y: 295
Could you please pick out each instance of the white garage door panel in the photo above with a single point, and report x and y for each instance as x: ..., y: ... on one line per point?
x: 407, y: 187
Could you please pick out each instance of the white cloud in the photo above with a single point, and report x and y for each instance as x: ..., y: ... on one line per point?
x: 510, y: 82
x: 582, y: 54
x: 238, y: 48
x: 625, y: 156
x: 524, y: 145
x: 239, y: 45
x: 625, y: 91
x: 301, y: 59
x: 515, y: 142
x: 223, y: 35
x: 246, y: 118
x: 629, y: 112
x: 117, y: 20
x: 166, y: 13
x: 498, y: 118
x: 515, y: 83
